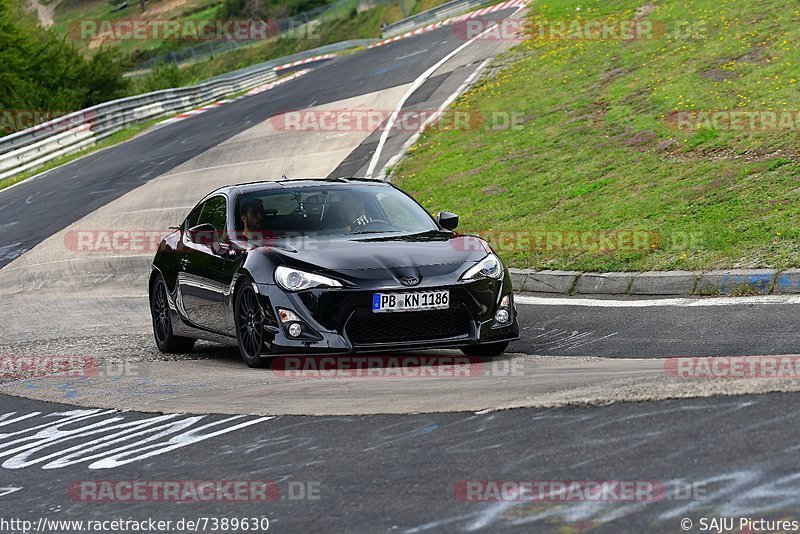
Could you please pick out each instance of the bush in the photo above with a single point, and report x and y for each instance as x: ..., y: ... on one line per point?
x: 40, y: 71
x: 164, y: 76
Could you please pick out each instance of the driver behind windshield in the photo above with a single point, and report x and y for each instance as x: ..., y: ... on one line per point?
x: 348, y: 214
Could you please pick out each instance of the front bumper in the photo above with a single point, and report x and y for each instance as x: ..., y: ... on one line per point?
x: 340, y: 321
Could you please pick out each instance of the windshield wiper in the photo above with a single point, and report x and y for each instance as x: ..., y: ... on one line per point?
x: 374, y: 232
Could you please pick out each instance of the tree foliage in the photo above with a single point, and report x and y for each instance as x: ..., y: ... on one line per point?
x: 44, y: 72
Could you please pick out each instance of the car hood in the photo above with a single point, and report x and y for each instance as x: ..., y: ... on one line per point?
x: 404, y: 254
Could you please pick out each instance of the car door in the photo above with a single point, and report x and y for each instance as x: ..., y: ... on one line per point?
x: 202, y: 265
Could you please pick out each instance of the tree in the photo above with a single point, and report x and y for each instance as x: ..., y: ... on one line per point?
x: 42, y: 72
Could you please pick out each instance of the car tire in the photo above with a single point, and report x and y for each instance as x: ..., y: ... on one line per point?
x: 166, y: 341
x: 487, y: 350
x: 249, y: 320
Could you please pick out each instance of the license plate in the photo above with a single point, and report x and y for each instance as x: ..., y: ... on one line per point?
x: 401, y: 302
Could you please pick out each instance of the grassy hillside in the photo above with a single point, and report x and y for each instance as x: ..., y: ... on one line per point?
x: 69, y: 13
x: 351, y: 26
x: 597, y: 147
x: 342, y: 21
x: 41, y: 74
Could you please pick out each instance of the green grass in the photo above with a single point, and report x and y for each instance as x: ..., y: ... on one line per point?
x: 349, y: 25
x: 594, y: 149
x: 68, y: 15
x: 363, y: 25
x: 336, y: 24
x: 340, y: 23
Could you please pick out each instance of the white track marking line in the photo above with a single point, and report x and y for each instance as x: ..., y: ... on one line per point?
x: 254, y: 91
x: 254, y: 162
x: 412, y: 54
x: 416, y: 85
x: 446, y: 104
x: 8, y: 490
x: 685, y: 302
x: 449, y: 21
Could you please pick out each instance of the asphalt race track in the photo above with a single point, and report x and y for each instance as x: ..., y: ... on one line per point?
x: 402, y: 473
x: 585, y: 395
x: 66, y: 194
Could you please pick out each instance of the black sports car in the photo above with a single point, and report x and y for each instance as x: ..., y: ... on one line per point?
x: 319, y: 267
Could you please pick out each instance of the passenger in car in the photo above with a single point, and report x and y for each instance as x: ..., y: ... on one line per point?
x: 251, y: 215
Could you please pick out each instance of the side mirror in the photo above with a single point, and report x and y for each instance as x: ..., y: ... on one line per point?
x: 447, y: 220
x: 203, y: 234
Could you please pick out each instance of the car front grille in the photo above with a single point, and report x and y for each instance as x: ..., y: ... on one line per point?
x: 366, y: 327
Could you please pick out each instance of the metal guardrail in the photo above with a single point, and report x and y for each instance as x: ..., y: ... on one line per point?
x: 326, y: 49
x: 70, y: 133
x: 448, y: 9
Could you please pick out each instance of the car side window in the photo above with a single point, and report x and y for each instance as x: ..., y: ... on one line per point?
x: 214, y: 212
x: 191, y: 220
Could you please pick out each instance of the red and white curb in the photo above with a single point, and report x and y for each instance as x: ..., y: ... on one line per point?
x: 193, y: 112
x: 254, y: 91
x: 267, y: 86
x: 472, y: 14
x: 304, y: 61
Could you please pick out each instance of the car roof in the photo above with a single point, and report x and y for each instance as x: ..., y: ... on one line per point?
x: 342, y: 182
x: 235, y: 190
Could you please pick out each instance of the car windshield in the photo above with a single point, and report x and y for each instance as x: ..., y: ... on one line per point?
x: 330, y: 211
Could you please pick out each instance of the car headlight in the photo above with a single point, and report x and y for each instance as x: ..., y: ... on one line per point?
x: 296, y: 280
x: 488, y: 267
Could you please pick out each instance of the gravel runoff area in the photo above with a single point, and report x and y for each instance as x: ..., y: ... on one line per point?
x: 213, y: 379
